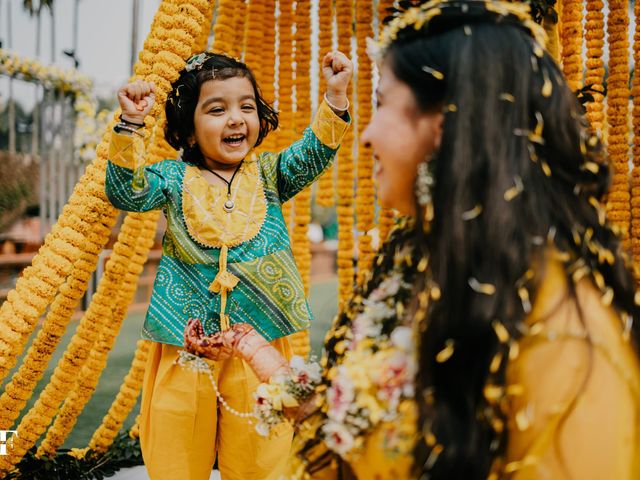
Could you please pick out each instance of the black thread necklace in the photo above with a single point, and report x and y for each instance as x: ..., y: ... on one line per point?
x: 229, y: 205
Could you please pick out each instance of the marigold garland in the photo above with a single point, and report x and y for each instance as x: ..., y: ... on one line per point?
x: 55, y: 323
x: 571, y: 38
x: 37, y: 286
x: 239, y: 27
x: 124, y: 402
x: 365, y: 199
x: 635, y: 173
x: 302, y: 205
x: 223, y: 34
x: 345, y: 181
x: 618, y: 202
x: 68, y: 244
x: 135, y: 239
x: 325, y: 193
x: 594, y: 33
x: 268, y: 64
x: 386, y: 216
x: 285, y: 134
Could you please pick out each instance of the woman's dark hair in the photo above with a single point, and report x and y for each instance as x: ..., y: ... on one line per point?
x: 181, y: 103
x: 516, y: 151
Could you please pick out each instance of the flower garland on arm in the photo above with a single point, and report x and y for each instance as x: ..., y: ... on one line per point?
x: 618, y: 202
x: 124, y: 402
x: 386, y: 216
x: 325, y: 193
x: 365, y: 200
x: 595, y: 64
x: 345, y: 181
x: 635, y: 173
x: 571, y: 37
x: 284, y: 134
x: 302, y: 205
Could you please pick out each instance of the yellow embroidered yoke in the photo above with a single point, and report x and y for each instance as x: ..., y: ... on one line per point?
x: 226, y: 267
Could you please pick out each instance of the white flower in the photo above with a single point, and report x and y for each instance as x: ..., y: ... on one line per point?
x: 402, y: 338
x: 337, y: 437
x: 263, y: 429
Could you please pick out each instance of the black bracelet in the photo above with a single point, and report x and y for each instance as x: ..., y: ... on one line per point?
x: 122, y: 127
x: 133, y: 124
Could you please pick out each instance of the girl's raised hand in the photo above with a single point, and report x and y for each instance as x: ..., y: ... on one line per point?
x: 136, y: 100
x: 337, y: 70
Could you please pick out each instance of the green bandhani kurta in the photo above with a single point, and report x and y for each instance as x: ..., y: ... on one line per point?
x: 239, y: 264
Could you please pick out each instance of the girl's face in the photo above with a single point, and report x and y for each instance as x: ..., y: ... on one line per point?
x: 401, y: 137
x: 226, y: 121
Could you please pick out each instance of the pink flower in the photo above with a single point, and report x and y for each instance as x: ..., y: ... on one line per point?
x: 340, y: 395
x: 337, y: 437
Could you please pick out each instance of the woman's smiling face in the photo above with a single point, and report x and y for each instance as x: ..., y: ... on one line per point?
x: 401, y: 137
x: 226, y: 121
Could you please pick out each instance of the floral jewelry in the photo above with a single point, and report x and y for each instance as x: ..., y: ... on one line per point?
x: 195, y: 62
x: 423, y: 189
x: 424, y: 183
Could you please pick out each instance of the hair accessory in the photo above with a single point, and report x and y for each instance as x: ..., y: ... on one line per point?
x: 195, y: 62
x: 438, y: 16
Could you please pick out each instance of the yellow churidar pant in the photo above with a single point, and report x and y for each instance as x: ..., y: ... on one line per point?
x: 183, y: 427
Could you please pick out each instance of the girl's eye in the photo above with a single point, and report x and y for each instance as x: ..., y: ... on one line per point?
x: 216, y: 110
x: 248, y: 107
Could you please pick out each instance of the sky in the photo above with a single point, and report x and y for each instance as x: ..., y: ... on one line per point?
x: 104, y: 45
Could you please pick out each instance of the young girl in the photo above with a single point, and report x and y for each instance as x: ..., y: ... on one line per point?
x: 226, y: 254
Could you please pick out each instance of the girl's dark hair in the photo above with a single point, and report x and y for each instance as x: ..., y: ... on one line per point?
x: 511, y: 125
x: 181, y: 103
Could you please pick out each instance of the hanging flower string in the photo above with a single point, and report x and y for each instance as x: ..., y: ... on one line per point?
x: 386, y: 216
x: 325, y: 193
x: 635, y: 173
x: 619, y: 199
x: 284, y: 134
x: 141, y: 228
x: 594, y: 32
x: 302, y: 204
x: 223, y: 33
x: 571, y: 38
x: 365, y: 200
x: 124, y: 402
x: 345, y: 180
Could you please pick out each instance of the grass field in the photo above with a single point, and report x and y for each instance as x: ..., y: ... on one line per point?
x: 323, y: 304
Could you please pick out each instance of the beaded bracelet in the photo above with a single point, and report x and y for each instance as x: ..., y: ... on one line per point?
x: 333, y: 107
x: 120, y: 127
x: 129, y: 122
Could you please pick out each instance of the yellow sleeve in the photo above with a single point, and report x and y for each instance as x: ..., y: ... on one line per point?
x: 123, y: 149
x: 329, y: 127
x: 578, y: 412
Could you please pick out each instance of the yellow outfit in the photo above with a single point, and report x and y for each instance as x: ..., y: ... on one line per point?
x: 575, y: 408
x: 180, y: 419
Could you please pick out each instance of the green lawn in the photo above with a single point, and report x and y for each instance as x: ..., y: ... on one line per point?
x: 323, y: 300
